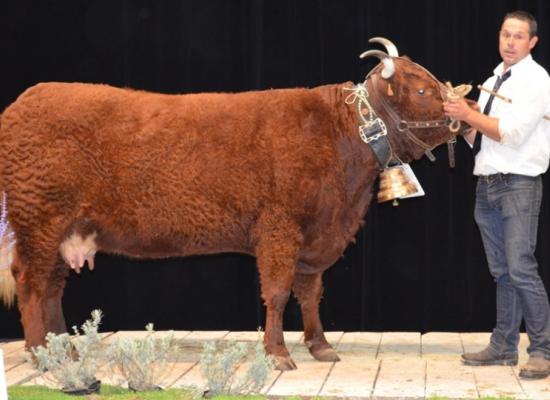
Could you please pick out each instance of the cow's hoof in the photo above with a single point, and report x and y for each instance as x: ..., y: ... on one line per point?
x: 325, y: 354
x: 283, y: 363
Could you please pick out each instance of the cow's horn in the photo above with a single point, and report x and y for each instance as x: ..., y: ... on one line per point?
x: 389, y: 67
x: 390, y: 47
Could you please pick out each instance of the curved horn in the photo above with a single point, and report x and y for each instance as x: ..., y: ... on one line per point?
x: 390, y: 47
x: 389, y: 66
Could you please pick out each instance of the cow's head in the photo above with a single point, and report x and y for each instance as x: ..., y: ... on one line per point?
x: 409, y: 99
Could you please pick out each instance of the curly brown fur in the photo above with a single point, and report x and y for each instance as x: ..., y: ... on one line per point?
x: 278, y: 174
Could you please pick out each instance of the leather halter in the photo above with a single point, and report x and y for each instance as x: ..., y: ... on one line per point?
x: 405, y: 126
x: 373, y: 130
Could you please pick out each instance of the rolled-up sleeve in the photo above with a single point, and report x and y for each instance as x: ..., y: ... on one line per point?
x: 523, y: 115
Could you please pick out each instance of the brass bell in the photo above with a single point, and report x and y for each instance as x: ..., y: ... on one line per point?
x: 394, y: 184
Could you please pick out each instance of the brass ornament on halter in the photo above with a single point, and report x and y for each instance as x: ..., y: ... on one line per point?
x: 394, y: 184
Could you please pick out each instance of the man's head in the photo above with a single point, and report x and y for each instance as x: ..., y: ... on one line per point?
x: 518, y: 35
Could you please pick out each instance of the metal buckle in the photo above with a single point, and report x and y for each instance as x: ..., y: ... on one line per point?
x: 373, y: 131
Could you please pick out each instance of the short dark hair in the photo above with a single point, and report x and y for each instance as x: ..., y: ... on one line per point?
x: 524, y: 16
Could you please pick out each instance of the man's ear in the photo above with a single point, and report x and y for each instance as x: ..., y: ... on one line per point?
x: 533, y: 41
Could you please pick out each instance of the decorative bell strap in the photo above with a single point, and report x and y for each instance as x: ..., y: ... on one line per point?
x: 375, y: 135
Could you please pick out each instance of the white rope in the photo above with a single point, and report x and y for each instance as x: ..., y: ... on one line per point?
x: 455, y: 93
x: 360, y: 94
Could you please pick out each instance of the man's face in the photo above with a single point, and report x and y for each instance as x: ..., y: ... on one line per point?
x: 514, y: 41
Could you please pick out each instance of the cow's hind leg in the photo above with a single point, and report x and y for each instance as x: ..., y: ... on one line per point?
x: 278, y: 244
x: 308, y: 289
x: 39, y: 300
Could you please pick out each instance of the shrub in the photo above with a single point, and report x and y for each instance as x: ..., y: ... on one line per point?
x: 219, y: 368
x: 72, y: 362
x: 144, y: 362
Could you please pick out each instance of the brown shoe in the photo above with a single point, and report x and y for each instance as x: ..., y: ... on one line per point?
x: 484, y: 357
x: 536, y: 368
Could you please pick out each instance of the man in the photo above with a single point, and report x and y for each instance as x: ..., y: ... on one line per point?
x: 515, y: 151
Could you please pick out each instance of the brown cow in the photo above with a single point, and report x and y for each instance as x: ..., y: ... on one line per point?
x: 282, y: 175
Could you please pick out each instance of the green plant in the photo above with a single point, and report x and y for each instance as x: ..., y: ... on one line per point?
x: 144, y: 362
x: 219, y: 367
x: 71, y: 362
x: 107, y: 393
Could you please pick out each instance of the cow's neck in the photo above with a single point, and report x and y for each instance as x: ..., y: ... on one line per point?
x: 359, y: 167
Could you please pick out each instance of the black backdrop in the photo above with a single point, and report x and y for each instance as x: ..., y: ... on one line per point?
x: 419, y: 266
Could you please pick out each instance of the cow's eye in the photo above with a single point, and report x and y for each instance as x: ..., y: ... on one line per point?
x: 421, y: 92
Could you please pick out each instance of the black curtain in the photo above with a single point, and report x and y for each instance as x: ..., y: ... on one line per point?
x: 419, y: 266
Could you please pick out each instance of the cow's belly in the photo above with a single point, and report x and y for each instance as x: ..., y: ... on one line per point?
x: 153, y: 240
x: 178, y: 243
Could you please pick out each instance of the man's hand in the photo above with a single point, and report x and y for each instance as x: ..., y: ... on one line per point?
x: 469, y: 112
x: 459, y: 109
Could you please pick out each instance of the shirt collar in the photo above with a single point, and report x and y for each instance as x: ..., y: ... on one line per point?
x: 499, y: 70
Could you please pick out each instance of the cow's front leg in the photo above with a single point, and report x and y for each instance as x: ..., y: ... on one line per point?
x: 308, y: 289
x: 278, y: 243
x: 39, y: 302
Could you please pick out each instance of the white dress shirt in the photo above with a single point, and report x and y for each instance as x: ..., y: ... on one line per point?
x: 525, y: 135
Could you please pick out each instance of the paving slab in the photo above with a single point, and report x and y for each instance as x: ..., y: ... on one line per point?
x: 14, y: 353
x: 366, y: 344
x: 450, y: 379
x: 474, y: 341
x: 20, y: 374
x: 15, y: 358
x: 307, y: 380
x: 538, y: 389
x: 441, y: 345
x: 354, y: 376
x: 10, y: 346
x: 498, y: 381
x: 401, y: 378
x: 399, y: 345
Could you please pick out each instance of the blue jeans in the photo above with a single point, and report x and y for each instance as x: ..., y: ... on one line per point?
x: 507, y: 213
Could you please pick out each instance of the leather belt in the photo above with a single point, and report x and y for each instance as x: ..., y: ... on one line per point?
x: 493, y: 177
x: 499, y: 176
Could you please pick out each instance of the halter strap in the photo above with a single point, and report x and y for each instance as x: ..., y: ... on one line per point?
x: 403, y: 125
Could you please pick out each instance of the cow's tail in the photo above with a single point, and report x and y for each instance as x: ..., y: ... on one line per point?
x: 7, y: 250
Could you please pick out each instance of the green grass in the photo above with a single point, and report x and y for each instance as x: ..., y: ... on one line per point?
x: 117, y: 393
x: 481, y: 398
x: 107, y: 393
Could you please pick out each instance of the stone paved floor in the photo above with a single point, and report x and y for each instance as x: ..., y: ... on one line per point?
x: 373, y: 365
